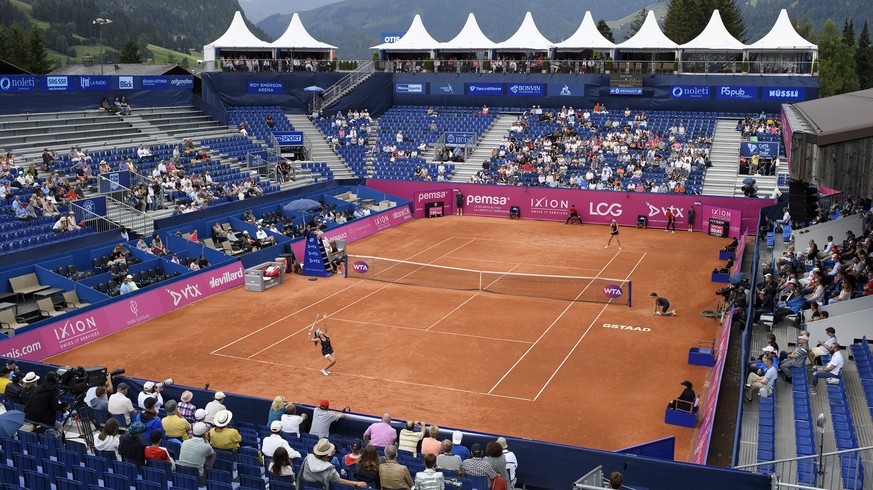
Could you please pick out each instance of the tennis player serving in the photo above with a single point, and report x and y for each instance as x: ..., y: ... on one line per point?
x: 322, y: 338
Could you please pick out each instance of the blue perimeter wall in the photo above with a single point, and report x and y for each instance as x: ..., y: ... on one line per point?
x: 382, y: 90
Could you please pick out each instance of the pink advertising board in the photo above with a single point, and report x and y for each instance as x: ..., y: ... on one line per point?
x: 707, y: 417
x: 444, y: 196
x: 594, y: 206
x: 362, y: 228
x: 80, y: 329
x: 721, y: 214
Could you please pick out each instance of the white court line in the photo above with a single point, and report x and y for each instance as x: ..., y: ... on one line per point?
x: 433, y: 331
x: 465, y: 302
x: 358, y: 300
x: 313, y: 304
x: 584, y: 334
x: 550, y: 327
x: 526, y: 263
x: 362, y: 376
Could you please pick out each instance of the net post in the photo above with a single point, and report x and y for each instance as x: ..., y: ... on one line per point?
x: 480, y: 280
x: 346, y: 266
x: 630, y: 294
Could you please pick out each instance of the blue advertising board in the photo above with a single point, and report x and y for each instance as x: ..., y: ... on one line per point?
x: 125, y: 83
x: 154, y: 83
x: 390, y: 37
x: 788, y: 94
x: 764, y: 149
x: 459, y: 139
x: 625, y: 91
x: 266, y: 87
x: 289, y: 138
x: 90, y: 208
x: 447, y: 88
x: 484, y: 88
x: 526, y: 89
x: 114, y: 181
x: 93, y: 82
x: 18, y: 83
x: 690, y: 92
x: 58, y: 83
x: 736, y: 92
x: 182, y: 82
x: 566, y: 90
x: 409, y: 88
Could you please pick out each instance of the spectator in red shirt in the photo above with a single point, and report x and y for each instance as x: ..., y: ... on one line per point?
x: 868, y: 288
x: 156, y: 452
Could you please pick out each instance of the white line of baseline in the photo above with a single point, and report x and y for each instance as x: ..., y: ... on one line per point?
x: 433, y: 331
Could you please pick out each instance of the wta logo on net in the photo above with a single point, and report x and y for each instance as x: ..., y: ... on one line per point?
x: 361, y: 267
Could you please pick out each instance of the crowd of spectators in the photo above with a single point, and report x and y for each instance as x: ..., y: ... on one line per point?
x: 760, y: 127
x: 599, y: 149
x: 253, y: 64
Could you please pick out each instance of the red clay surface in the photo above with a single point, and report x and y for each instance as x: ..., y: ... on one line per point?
x: 525, y: 367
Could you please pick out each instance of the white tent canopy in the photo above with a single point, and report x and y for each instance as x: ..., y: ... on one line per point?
x: 649, y: 37
x: 587, y: 36
x: 237, y: 37
x: 297, y: 37
x: 416, y: 39
x: 526, y: 38
x: 715, y: 37
x: 470, y: 38
x: 783, y: 37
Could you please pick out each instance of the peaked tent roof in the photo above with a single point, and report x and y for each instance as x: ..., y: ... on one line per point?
x: 715, y: 36
x: 238, y: 35
x: 649, y: 36
x: 470, y: 38
x: 527, y: 37
x: 296, y: 36
x: 586, y: 36
x: 783, y: 36
x: 416, y: 39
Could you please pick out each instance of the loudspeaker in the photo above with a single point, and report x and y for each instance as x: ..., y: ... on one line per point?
x: 802, y: 199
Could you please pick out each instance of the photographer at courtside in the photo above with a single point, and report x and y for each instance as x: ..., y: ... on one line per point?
x: 42, y: 408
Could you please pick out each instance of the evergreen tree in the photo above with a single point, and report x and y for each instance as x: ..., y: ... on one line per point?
x: 605, y: 30
x: 4, y: 44
x: 130, y: 53
x: 686, y: 19
x: 849, y: 33
x: 17, y: 47
x: 37, y: 59
x: 837, y: 61
x: 864, y: 59
x: 638, y: 21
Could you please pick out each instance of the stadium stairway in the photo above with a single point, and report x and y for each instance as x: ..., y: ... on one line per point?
x: 321, y: 151
x: 723, y: 177
x: 492, y: 138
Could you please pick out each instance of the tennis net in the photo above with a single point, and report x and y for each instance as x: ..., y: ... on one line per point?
x: 565, y: 288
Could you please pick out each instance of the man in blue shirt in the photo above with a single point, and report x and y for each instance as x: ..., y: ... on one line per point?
x: 21, y: 211
x: 764, y: 383
x: 127, y: 286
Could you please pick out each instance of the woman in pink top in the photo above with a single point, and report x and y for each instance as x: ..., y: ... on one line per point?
x: 431, y: 444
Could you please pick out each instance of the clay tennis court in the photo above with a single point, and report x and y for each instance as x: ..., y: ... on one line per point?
x: 526, y: 367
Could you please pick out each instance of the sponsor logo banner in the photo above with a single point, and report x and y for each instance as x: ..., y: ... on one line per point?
x: 181, y: 82
x: 783, y: 93
x: 57, y: 83
x: 734, y: 92
x: 625, y: 91
x: 266, y: 87
x: 566, y: 90
x: 765, y: 149
x: 482, y: 88
x: 154, y: 83
x: 390, y: 37
x: 690, y: 92
x: 447, y: 88
x: 459, y: 139
x: 17, y: 83
x: 408, y: 88
x: 94, y: 83
x: 420, y: 199
x: 289, y: 138
x: 90, y: 208
x: 526, y: 89
x: 727, y: 215
x: 125, y: 83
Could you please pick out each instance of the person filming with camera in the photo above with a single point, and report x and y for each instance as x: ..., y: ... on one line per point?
x: 150, y: 389
x: 41, y: 410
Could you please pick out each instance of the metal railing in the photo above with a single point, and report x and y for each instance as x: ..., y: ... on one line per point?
x: 442, y: 145
x: 92, y: 219
x: 335, y: 91
x: 278, y: 65
x: 130, y: 217
x: 824, y: 470
x: 124, y: 194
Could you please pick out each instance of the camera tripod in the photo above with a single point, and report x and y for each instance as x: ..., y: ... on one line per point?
x: 83, y: 421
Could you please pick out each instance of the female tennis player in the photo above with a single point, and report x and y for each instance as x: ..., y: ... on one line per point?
x: 662, y: 306
x: 322, y: 338
x: 613, y: 233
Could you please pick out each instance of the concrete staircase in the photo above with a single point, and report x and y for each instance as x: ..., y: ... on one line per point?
x: 491, y: 139
x: 723, y: 177
x: 321, y: 150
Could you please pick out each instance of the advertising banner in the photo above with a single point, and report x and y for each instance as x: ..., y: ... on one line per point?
x: 154, y: 83
x: 447, y: 88
x: 707, y: 413
x: 625, y: 91
x: 78, y: 330
x: 484, y: 88
x: 266, y: 87
x: 390, y: 37
x: 690, y: 92
x: 289, y: 138
x: 58, y: 83
x: 736, y: 93
x: 112, y: 181
x: 526, y: 89
x: 459, y: 139
x: 787, y: 94
x: 594, y: 206
x: 181, y: 82
x: 566, y: 90
x: 125, y: 83
x: 90, y: 207
x: 764, y: 149
x: 94, y: 82
x: 18, y: 83
x: 362, y: 228
x: 422, y: 198
x: 409, y: 88
x: 733, y: 217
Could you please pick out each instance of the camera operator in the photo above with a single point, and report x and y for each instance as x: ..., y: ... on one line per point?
x: 150, y: 390
x: 44, y: 404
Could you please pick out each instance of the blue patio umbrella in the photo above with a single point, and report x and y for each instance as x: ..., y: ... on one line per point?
x: 10, y: 422
x: 313, y: 88
x: 300, y: 205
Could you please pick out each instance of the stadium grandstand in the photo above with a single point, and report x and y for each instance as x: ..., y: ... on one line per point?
x: 180, y: 226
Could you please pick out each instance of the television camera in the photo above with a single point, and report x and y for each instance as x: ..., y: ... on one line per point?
x: 78, y: 380
x: 735, y: 294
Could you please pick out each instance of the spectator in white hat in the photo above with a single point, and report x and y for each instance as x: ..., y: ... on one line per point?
x: 458, y: 448
x: 511, y: 461
x: 196, y: 452
x: 221, y: 436
x: 148, y: 391
x: 275, y: 441
x: 214, y: 407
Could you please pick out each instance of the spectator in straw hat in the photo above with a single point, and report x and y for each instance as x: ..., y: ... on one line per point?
x: 318, y: 471
x: 221, y: 436
x: 511, y: 461
x: 275, y: 441
x: 196, y: 452
x: 185, y: 408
